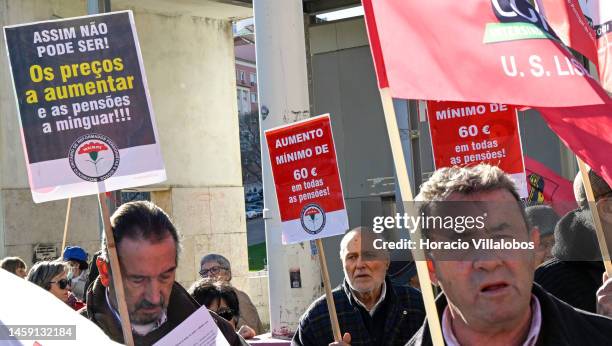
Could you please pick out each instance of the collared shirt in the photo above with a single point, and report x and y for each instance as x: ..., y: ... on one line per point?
x: 140, y: 329
x: 383, y: 293
x: 532, y: 337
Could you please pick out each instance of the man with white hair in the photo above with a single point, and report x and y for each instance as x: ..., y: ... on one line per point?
x: 371, y: 310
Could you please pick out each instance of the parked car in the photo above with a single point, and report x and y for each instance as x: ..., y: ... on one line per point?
x: 252, y: 197
x: 251, y: 214
x: 253, y: 211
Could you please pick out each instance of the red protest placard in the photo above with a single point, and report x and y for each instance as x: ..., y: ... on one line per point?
x: 308, y: 187
x: 466, y: 134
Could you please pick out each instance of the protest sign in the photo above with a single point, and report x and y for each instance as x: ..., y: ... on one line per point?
x: 86, y: 119
x: 466, y: 134
x: 55, y: 324
x: 547, y: 187
x: 308, y: 187
x: 198, y: 329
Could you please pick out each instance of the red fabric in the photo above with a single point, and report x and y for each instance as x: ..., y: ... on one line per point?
x: 379, y: 64
x: 599, y: 13
x: 547, y: 187
x: 568, y: 21
x: 587, y: 131
x: 435, y: 50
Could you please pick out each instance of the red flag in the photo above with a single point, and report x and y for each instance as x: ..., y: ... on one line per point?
x: 599, y: 14
x: 547, y: 187
x: 568, y: 21
x: 587, y: 131
x: 496, y: 51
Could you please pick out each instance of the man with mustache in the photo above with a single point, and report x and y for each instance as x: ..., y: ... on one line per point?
x: 371, y: 310
x: 489, y: 297
x: 147, y: 246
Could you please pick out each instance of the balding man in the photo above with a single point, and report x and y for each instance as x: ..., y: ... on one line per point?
x: 371, y: 311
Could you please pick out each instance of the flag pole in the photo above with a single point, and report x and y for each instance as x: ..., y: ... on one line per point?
x: 66, y: 222
x: 331, y: 307
x: 116, y: 271
x: 406, y: 193
x: 601, y: 238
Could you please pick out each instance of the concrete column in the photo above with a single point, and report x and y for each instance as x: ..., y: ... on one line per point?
x: 24, y: 224
x: 283, y: 99
x: 188, y: 55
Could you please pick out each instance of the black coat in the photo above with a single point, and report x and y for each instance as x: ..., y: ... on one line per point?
x: 180, y: 306
x: 405, y: 313
x: 562, y: 325
x: 575, y: 272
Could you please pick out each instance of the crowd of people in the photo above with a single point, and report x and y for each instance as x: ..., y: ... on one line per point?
x: 554, y: 294
x: 148, y: 246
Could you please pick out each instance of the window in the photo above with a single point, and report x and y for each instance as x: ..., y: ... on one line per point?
x: 253, y: 97
x: 245, y: 95
x: 242, y: 76
x: 253, y: 79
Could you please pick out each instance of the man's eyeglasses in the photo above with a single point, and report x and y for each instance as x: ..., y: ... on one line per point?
x: 212, y: 271
x: 63, y: 283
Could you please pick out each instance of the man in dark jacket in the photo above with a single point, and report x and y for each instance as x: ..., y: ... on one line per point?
x: 147, y: 245
x: 370, y: 309
x: 488, y: 296
x: 562, y: 325
x: 575, y: 272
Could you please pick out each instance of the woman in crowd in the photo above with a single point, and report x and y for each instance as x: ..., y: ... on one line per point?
x: 76, y: 258
x: 218, y: 268
x: 52, y: 276
x: 219, y: 297
x: 14, y: 265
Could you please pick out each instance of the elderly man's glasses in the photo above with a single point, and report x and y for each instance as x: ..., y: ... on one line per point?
x: 211, y: 271
x: 63, y: 283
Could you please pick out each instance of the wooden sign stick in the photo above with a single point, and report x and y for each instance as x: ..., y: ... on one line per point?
x: 404, y: 184
x: 116, y: 271
x: 601, y: 238
x: 328, y: 293
x: 66, y: 224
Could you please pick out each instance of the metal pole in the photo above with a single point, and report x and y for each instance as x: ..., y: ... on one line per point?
x: 283, y: 94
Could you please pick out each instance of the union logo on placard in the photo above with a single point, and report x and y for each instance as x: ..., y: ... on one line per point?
x: 312, y: 218
x: 94, y: 157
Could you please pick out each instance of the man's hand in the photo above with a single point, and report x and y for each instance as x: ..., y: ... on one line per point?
x: 346, y: 341
x: 246, y: 332
x: 604, y: 297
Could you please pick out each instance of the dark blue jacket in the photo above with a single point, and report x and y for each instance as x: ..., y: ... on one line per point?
x: 405, y: 315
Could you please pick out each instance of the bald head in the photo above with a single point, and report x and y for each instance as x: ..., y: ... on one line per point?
x: 348, y: 237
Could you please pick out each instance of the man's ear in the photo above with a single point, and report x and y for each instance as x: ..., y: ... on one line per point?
x: 104, y: 271
x: 535, y: 237
x: 432, y: 272
x: 604, y: 207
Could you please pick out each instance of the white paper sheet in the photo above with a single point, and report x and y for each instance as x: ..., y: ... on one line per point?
x: 199, y: 329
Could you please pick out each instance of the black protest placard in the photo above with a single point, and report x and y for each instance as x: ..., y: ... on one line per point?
x: 85, y: 112
x: 75, y: 77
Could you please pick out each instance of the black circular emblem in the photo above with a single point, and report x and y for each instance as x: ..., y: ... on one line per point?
x: 312, y: 218
x: 94, y: 157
